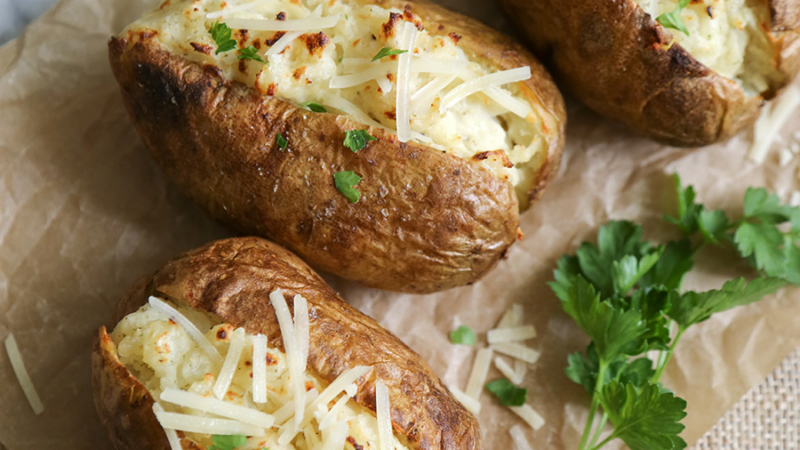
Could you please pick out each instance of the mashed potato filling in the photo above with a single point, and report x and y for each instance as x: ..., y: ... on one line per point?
x: 163, y: 356
x: 729, y: 37
x: 332, y: 66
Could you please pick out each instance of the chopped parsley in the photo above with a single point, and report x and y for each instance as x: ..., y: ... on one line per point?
x: 282, y: 142
x: 355, y: 140
x: 507, y: 393
x: 250, y: 53
x: 221, y: 34
x: 225, y: 442
x: 388, y: 51
x: 463, y: 335
x: 673, y: 19
x: 314, y: 106
x: 344, y: 183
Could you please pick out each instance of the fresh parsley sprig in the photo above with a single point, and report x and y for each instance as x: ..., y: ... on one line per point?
x: 463, y: 335
x: 673, y: 19
x: 250, y: 53
x: 227, y: 442
x: 345, y: 181
x: 625, y: 293
x: 355, y: 140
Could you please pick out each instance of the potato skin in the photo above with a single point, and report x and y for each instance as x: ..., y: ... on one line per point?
x: 617, y: 59
x: 427, y: 221
x: 233, y: 279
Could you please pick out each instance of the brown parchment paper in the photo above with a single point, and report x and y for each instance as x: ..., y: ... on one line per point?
x: 84, y: 211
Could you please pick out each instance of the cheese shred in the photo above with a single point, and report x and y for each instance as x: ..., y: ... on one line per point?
x: 403, y: 117
x: 383, y: 411
x: 182, y: 321
x: 23, y: 377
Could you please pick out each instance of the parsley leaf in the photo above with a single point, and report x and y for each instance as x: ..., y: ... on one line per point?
x: 645, y: 418
x: 628, y: 270
x: 250, y: 53
x: 355, y: 140
x: 583, y: 370
x: 344, y: 183
x: 221, y: 34
x: 613, y: 330
x: 227, y: 442
x: 315, y: 107
x: 282, y: 142
x: 388, y: 51
x: 675, y: 262
x: 673, y: 19
x: 463, y: 335
x: 759, y: 204
x: 615, y: 240
x: 507, y: 393
x: 653, y: 305
x: 694, y: 307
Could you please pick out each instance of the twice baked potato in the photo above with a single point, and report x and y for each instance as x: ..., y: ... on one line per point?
x: 699, y: 81
x: 309, y: 123
x: 207, y: 346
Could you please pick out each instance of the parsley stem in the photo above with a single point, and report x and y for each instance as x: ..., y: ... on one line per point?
x: 599, y: 430
x: 663, y: 365
x: 587, y: 430
x: 606, y: 441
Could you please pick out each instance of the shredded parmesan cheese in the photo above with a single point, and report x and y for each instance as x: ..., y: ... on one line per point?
x: 172, y: 435
x: 23, y: 377
x: 403, y: 117
x: 508, y: 371
x: 304, y: 25
x: 480, y: 370
x: 472, y: 405
x: 351, y: 109
x: 287, y: 410
x: 772, y: 119
x: 260, y: 368
x: 217, y: 407
x: 517, y: 351
x: 205, y: 425
x: 292, y: 354
x: 335, y: 388
x: 235, y: 9
x: 301, y: 328
x: 164, y: 308
x: 231, y: 363
x: 384, y: 413
x: 482, y: 83
x: 511, y: 334
x: 425, y: 96
x: 528, y: 414
x: 337, y: 436
x: 331, y: 415
x: 518, y: 436
x: 289, y: 37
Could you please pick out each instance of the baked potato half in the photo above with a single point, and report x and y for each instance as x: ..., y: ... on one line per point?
x: 402, y: 170
x: 682, y: 89
x: 233, y: 375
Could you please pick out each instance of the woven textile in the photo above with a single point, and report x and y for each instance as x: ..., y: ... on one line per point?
x: 766, y: 418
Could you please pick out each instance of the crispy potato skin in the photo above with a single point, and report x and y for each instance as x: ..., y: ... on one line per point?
x: 233, y: 279
x: 617, y: 60
x: 427, y: 221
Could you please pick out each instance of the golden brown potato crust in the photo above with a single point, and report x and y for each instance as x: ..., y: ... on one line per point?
x: 233, y: 279
x: 427, y: 221
x: 617, y: 59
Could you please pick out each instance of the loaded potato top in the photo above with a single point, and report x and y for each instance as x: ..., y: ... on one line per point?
x: 342, y: 56
x: 211, y: 380
x: 728, y: 36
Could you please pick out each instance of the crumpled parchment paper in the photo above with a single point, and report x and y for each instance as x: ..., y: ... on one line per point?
x: 84, y: 211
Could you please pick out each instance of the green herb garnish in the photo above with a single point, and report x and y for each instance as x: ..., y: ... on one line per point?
x: 673, y: 19
x: 315, y: 107
x: 282, y: 142
x: 625, y: 293
x: 224, y: 442
x: 250, y: 53
x: 463, y: 335
x: 507, y: 393
x: 344, y: 183
x: 221, y: 34
x: 355, y: 140
x: 388, y: 51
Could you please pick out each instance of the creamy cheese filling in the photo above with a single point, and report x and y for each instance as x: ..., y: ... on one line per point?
x: 729, y: 37
x: 321, y: 51
x: 184, y: 379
